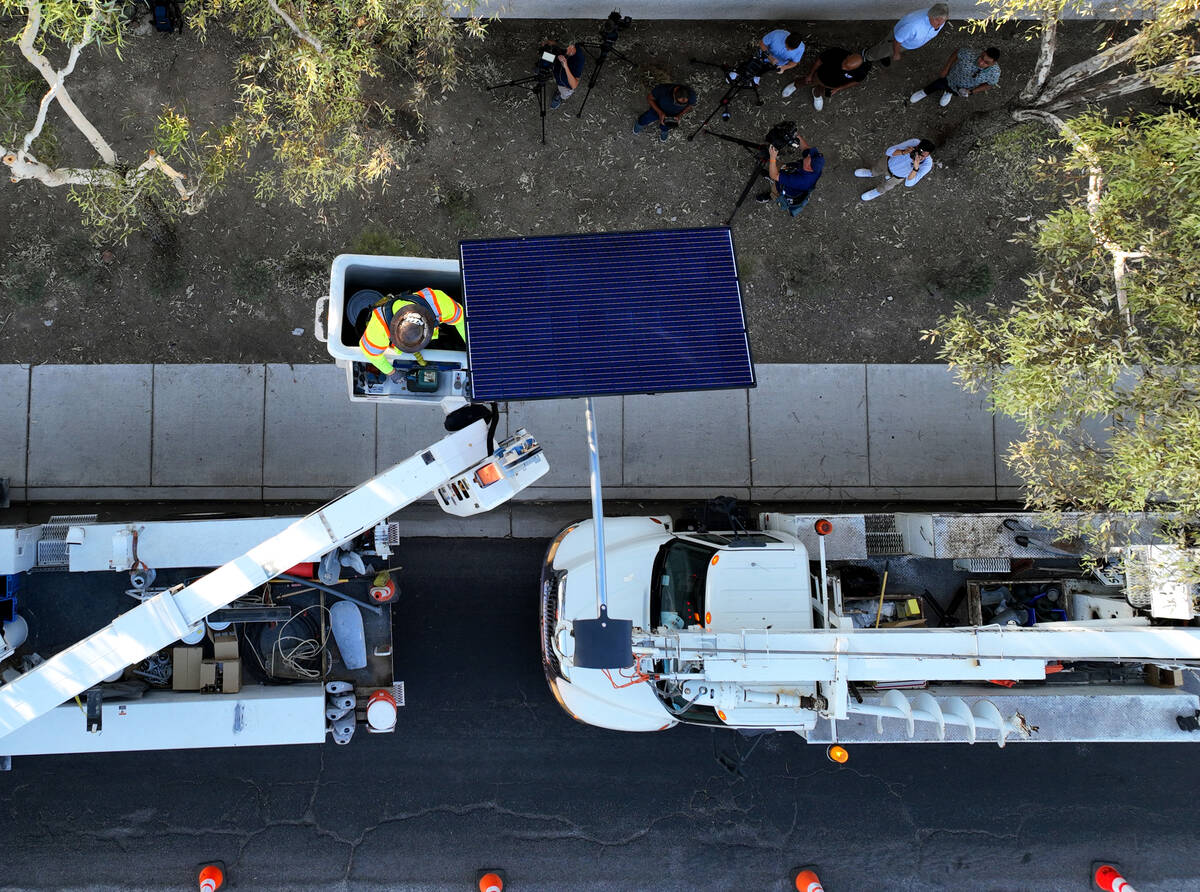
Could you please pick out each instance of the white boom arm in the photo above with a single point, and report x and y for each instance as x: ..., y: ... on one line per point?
x: 162, y: 620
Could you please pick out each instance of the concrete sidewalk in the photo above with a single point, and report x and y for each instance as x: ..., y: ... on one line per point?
x: 279, y: 432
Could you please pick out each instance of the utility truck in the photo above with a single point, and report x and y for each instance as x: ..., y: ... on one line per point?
x: 273, y: 646
x: 880, y: 628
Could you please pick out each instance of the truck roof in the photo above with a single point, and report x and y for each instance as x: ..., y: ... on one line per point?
x: 759, y: 588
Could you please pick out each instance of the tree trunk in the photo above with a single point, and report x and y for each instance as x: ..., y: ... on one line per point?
x: 1045, y: 59
x: 55, y: 80
x: 1119, y: 86
x: 1071, y: 77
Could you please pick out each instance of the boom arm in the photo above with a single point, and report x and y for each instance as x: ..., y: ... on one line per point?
x: 163, y: 619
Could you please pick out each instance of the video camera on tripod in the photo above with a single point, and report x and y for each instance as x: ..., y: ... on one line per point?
x: 612, y: 26
x: 609, y: 29
x: 756, y: 66
x: 783, y: 135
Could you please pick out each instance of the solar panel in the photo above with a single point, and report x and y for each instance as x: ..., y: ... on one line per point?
x: 608, y: 313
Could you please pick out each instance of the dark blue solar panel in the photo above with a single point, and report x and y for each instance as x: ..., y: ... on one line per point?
x: 610, y: 313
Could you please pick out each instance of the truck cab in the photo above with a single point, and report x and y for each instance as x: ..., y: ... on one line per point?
x: 665, y: 580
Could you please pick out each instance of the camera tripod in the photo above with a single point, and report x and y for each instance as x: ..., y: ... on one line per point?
x: 535, y: 84
x: 759, y: 150
x: 604, y: 47
x: 746, y: 73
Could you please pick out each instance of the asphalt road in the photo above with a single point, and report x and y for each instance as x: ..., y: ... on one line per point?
x: 485, y: 769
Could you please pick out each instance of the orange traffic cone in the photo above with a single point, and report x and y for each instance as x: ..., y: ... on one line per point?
x: 806, y: 880
x: 1109, y: 880
x: 212, y: 878
x: 490, y: 881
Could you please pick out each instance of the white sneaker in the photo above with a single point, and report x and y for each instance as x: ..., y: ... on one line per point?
x: 869, y: 196
x: 917, y: 96
x: 818, y: 102
x: 862, y: 172
x: 789, y: 90
x: 732, y: 75
x: 945, y: 100
x: 757, y: 81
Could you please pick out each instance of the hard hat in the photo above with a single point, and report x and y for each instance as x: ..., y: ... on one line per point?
x: 412, y: 327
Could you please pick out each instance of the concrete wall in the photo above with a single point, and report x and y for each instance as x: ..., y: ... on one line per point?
x: 776, y: 10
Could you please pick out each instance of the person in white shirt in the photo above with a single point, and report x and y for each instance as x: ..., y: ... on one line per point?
x: 905, y: 162
x: 912, y: 32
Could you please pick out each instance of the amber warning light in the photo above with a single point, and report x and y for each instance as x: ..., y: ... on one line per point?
x: 488, y: 474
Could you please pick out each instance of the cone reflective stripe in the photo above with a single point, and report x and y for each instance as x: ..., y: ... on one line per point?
x: 211, y: 878
x: 1109, y: 880
x: 491, y: 882
x: 806, y: 881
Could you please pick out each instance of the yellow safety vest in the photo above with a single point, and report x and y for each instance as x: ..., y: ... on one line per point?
x: 377, y: 338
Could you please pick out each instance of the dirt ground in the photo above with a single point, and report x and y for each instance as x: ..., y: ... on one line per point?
x: 844, y: 281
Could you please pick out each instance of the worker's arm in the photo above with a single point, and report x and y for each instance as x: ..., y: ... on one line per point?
x: 374, y: 342
x: 896, y: 49
x: 980, y: 89
x: 685, y: 110
x: 662, y: 115
x: 833, y: 91
x: 773, y: 163
x: 572, y: 80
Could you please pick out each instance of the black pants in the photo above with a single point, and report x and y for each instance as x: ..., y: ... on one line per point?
x: 941, y: 85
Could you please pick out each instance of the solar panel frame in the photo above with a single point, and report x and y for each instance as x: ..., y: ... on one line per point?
x: 613, y: 313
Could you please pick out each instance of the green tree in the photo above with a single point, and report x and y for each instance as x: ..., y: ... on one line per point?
x: 1161, y: 51
x: 1109, y: 327
x: 310, y: 86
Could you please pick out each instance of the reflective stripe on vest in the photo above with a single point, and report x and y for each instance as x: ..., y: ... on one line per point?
x: 447, y: 310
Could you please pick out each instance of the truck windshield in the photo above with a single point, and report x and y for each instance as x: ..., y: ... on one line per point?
x: 677, y: 586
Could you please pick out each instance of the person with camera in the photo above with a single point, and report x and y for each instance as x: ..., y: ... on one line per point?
x: 912, y: 32
x: 782, y: 48
x: 965, y: 73
x: 835, y: 70
x: 668, y: 103
x: 906, y: 162
x: 568, y: 68
x: 792, y: 183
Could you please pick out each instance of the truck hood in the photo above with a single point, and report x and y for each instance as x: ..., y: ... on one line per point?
x: 630, y: 546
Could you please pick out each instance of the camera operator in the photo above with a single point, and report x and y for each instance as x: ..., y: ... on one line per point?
x: 568, y: 68
x: 791, y: 184
x: 783, y: 48
x: 668, y: 103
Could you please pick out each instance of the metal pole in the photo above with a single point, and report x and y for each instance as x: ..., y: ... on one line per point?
x: 597, y: 502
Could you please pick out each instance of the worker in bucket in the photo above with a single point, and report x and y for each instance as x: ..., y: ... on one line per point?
x: 407, y: 323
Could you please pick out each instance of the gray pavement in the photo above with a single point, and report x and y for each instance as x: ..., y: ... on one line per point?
x: 280, y: 432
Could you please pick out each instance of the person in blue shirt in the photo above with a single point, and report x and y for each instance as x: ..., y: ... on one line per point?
x: 791, y: 185
x: 568, y: 67
x: 783, y: 48
x: 668, y: 103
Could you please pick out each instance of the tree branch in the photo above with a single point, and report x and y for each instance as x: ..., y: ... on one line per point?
x: 1045, y: 59
x: 1119, y: 255
x: 156, y: 162
x: 296, y: 29
x: 25, y: 167
x: 1119, y: 86
x: 54, y: 78
x: 1076, y: 74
